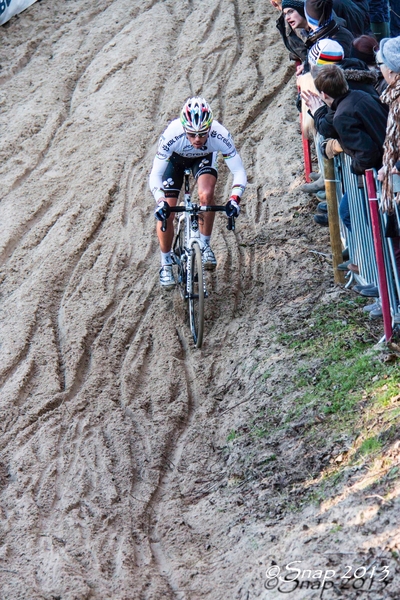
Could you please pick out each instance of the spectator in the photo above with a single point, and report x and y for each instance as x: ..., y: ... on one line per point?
x: 388, y: 59
x: 359, y: 123
x: 294, y: 29
x: 364, y: 48
x: 358, y: 76
x: 359, y: 118
x: 292, y: 26
x: 356, y: 73
x: 355, y: 14
x: 322, y: 24
x: 394, y: 18
x: 379, y: 15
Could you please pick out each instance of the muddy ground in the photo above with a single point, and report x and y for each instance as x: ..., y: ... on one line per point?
x: 118, y: 476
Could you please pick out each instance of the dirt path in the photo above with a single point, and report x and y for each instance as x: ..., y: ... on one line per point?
x: 114, y: 482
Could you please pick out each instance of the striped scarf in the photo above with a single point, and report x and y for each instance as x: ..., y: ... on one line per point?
x: 391, y: 146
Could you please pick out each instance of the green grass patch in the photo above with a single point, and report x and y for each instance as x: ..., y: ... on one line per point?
x: 370, y: 445
x: 232, y: 435
x: 338, y: 364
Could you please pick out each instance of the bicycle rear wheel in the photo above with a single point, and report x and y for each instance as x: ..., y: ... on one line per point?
x: 196, y: 296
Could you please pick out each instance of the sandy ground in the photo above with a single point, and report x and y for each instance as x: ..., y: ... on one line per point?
x: 114, y: 475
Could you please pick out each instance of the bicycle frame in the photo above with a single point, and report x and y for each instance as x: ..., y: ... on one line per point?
x: 188, y: 254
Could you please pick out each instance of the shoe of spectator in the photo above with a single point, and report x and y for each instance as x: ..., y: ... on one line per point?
x: 315, y: 186
x: 372, y: 292
x: 376, y: 314
x: 321, y: 195
x: 321, y: 219
x: 344, y: 266
x: 359, y: 288
x: 314, y: 176
x: 375, y: 306
x: 323, y: 207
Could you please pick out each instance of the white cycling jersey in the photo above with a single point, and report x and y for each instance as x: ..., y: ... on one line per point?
x: 174, y: 140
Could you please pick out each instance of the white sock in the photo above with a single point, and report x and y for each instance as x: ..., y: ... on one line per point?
x: 205, y: 239
x: 166, y: 258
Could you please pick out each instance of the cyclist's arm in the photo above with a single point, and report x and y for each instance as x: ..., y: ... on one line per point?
x: 156, y: 177
x: 236, y: 167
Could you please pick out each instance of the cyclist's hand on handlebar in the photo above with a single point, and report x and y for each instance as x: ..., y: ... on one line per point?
x: 232, y: 207
x: 162, y: 210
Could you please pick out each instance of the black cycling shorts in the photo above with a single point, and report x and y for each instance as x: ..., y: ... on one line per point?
x: 173, y: 174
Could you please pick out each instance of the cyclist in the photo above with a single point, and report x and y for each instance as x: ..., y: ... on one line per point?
x: 192, y: 142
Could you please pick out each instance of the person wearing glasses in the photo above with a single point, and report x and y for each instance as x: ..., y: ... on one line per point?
x: 193, y: 142
x: 388, y: 60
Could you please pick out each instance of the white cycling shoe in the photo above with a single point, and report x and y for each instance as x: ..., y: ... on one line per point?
x: 209, y: 260
x: 167, y: 280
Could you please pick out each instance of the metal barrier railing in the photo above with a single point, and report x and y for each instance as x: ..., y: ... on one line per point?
x: 377, y: 256
x: 359, y: 240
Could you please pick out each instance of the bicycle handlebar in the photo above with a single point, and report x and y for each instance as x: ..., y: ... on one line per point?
x: 231, y: 220
x: 198, y: 209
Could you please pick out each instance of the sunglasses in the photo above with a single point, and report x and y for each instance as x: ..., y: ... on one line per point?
x: 197, y: 135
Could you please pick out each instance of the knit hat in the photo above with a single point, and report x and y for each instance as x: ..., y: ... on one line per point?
x: 325, y: 52
x: 390, y: 51
x: 298, y: 5
x: 318, y: 12
x: 364, y: 48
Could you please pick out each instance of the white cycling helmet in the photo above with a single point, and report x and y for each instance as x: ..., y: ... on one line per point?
x: 196, y: 115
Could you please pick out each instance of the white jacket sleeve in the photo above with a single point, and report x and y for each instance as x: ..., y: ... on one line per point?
x: 236, y: 167
x: 155, y: 179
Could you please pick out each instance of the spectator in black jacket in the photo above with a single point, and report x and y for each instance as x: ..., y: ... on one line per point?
x: 294, y: 29
x: 359, y: 121
x: 359, y: 118
x: 355, y: 15
x: 358, y: 76
x: 356, y: 72
x: 292, y: 26
x: 322, y: 24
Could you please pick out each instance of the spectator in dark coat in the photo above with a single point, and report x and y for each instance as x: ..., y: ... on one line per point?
x: 355, y: 14
x: 359, y: 118
x: 293, y: 30
x: 323, y: 25
x: 356, y: 72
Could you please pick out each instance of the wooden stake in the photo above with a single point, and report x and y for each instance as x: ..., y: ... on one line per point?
x: 333, y: 218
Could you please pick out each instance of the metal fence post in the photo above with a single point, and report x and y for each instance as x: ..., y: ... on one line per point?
x: 376, y: 231
x: 306, y: 153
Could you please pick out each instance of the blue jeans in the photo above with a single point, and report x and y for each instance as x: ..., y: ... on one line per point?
x: 344, y: 211
x: 379, y: 11
x: 394, y: 18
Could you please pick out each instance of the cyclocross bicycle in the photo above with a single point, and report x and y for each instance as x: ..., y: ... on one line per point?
x: 187, y: 255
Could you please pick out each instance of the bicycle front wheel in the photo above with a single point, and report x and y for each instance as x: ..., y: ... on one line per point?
x: 196, y: 295
x: 179, y: 251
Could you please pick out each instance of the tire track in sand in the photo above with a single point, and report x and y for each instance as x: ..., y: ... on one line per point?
x: 172, y: 459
